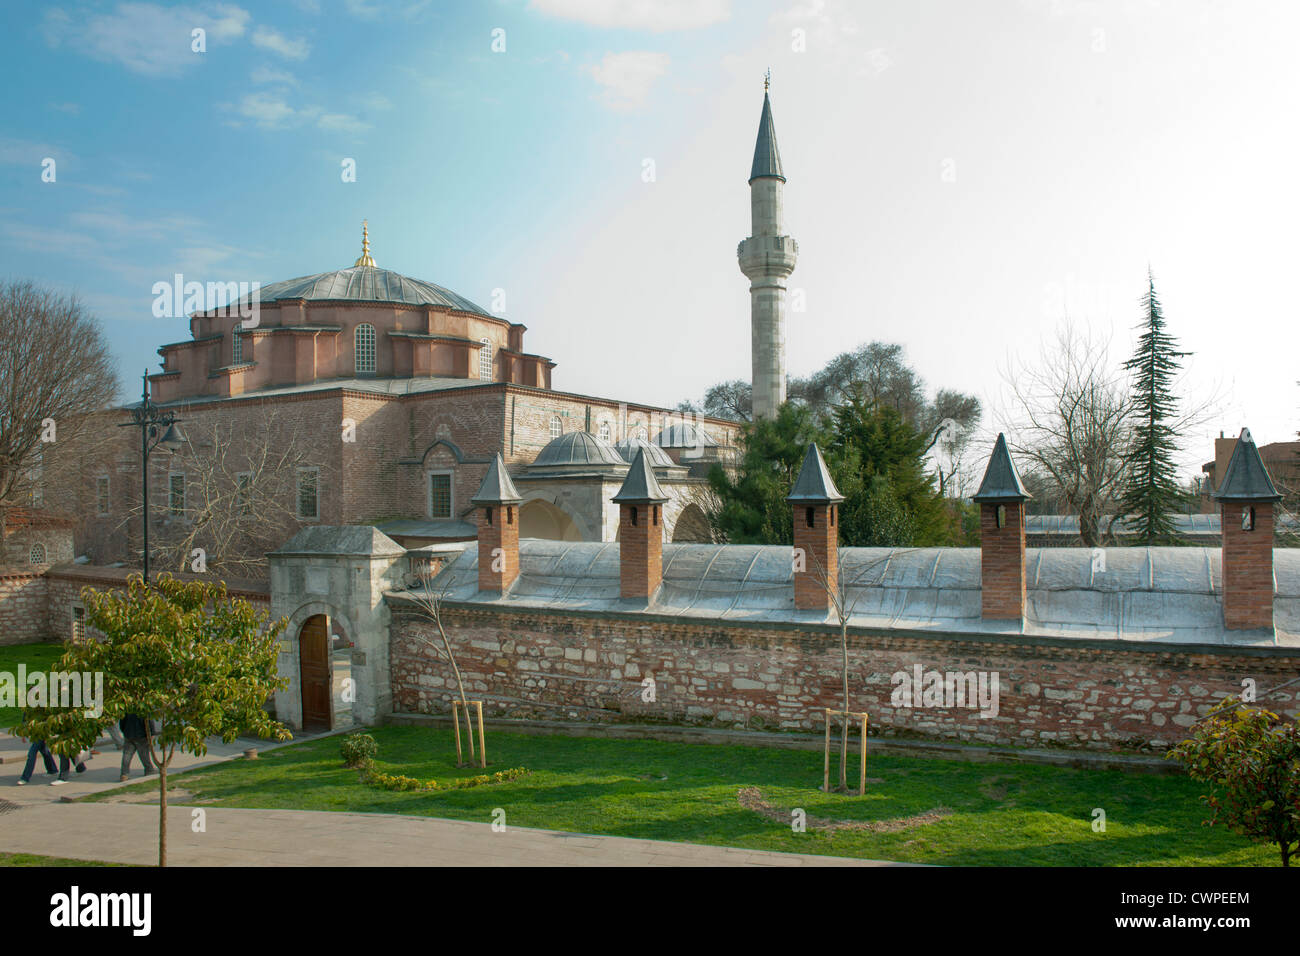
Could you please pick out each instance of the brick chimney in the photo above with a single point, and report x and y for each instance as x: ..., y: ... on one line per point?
x: 640, y: 531
x: 1002, y: 499
x: 1246, y: 498
x: 498, y: 503
x: 815, y: 502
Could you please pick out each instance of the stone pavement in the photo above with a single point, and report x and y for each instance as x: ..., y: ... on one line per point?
x: 128, y: 833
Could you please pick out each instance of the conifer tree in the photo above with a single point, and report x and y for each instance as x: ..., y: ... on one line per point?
x: 1151, y: 494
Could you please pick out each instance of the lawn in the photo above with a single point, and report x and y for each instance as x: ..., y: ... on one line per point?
x: 31, y: 859
x: 40, y: 657
x: 936, y: 811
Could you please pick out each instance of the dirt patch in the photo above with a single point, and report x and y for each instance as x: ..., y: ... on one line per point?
x: 995, y: 788
x: 751, y: 798
x: 174, y: 795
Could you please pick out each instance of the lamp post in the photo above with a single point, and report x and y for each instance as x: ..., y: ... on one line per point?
x: 157, y: 427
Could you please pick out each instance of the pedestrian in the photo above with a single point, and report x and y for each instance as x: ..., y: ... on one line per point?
x: 38, y: 748
x: 136, y: 733
x: 65, y: 765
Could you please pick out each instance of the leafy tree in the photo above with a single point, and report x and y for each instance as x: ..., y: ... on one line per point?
x: 1251, y: 759
x: 1151, y: 494
x: 187, y: 655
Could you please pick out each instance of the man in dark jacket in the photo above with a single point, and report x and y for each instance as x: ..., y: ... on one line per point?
x: 136, y: 740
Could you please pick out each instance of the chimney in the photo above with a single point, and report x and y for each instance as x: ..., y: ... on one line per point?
x: 1246, y: 498
x: 1002, y: 500
x: 815, y: 502
x: 498, y: 528
x: 641, y: 531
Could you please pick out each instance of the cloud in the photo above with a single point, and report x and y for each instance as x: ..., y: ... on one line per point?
x: 145, y: 38
x: 656, y: 16
x: 270, y: 75
x: 341, y: 123
x: 626, y: 78
x: 72, y: 109
x: 277, y: 42
x: 21, y: 152
x: 270, y: 111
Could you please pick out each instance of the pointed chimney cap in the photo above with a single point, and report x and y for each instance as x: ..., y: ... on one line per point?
x: 767, y: 158
x: 1001, y: 480
x: 814, y: 484
x: 497, y: 488
x: 1246, y: 478
x: 640, y: 487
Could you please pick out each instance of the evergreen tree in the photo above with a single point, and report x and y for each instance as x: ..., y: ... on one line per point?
x: 1151, y: 494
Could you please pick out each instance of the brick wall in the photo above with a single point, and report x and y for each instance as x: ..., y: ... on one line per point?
x: 1247, y: 567
x: 1002, y: 560
x: 816, y: 536
x: 1084, y: 694
x: 641, y: 548
x: 23, y: 596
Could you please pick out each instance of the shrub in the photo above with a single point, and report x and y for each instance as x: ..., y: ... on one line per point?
x: 358, y: 750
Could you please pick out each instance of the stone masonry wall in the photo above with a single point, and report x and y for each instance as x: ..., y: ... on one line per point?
x: 23, y: 597
x: 1095, y: 695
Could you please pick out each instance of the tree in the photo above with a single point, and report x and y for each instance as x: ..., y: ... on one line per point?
x: 1151, y: 493
x: 55, y: 372
x: 187, y: 655
x: 429, y: 600
x: 1250, y: 757
x: 1071, y: 422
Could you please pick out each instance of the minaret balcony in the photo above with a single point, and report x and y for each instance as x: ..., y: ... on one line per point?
x: 767, y: 255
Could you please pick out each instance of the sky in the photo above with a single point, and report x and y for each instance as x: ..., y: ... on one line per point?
x: 962, y: 177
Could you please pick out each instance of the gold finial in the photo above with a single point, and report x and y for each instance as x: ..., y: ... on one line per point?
x: 366, y: 258
x: 767, y: 79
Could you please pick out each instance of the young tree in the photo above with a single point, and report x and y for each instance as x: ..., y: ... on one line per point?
x: 1151, y: 494
x: 56, y: 370
x: 429, y: 600
x: 1250, y: 757
x: 200, y: 663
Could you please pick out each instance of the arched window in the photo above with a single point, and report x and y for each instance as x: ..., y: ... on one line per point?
x: 36, y: 555
x: 236, y: 346
x: 642, y: 434
x: 603, y: 432
x: 363, y: 342
x: 557, y: 427
x: 485, y: 361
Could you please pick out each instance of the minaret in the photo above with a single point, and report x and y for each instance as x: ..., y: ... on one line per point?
x: 767, y: 258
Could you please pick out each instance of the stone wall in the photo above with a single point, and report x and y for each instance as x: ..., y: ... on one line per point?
x: 1094, y: 694
x: 23, y: 597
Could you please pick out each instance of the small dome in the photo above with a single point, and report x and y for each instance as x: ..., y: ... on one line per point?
x: 684, y: 435
x: 657, y: 457
x: 578, y: 449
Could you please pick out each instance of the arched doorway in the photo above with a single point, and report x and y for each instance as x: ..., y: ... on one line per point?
x: 692, y: 526
x: 314, y: 672
x: 541, y: 519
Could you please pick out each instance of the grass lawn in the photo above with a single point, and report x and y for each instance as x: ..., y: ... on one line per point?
x: 31, y: 859
x: 999, y: 814
x: 37, y: 657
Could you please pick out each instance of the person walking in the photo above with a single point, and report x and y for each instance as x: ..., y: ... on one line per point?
x: 38, y: 748
x: 65, y: 765
x: 136, y: 734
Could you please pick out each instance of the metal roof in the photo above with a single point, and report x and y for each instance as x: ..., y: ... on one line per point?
x: 497, y: 488
x: 814, y: 483
x: 340, y: 540
x: 767, y: 158
x: 629, y: 447
x: 1001, y: 480
x: 367, y: 284
x: 684, y: 435
x: 578, y: 449
x: 1246, y: 478
x: 1150, y: 595
x: 640, y: 486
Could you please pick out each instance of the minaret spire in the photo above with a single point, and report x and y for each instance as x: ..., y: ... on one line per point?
x: 366, y: 258
x: 767, y: 258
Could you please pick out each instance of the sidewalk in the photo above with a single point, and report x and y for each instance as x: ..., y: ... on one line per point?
x: 128, y: 833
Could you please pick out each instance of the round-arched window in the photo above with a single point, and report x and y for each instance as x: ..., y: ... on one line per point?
x: 363, y: 343
x: 557, y: 427
x: 603, y: 432
x: 485, y: 360
x: 37, y: 554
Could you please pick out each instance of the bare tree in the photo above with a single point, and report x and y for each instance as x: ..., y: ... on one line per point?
x: 428, y: 598
x: 241, y: 495
x: 55, y: 372
x: 1071, y: 423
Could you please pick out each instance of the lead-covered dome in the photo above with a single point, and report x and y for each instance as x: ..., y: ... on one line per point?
x: 367, y: 284
x: 657, y: 457
x: 684, y: 435
x: 575, y: 450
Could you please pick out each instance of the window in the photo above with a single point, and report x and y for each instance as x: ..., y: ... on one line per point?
x: 78, y: 623
x: 1001, y: 515
x: 603, y: 431
x: 236, y: 346
x: 103, y: 502
x: 642, y: 434
x: 37, y: 554
x: 308, y: 493
x: 244, y: 493
x: 363, y: 343
x: 439, y: 494
x: 1248, y: 519
x: 557, y: 427
x: 176, y: 494
x: 485, y: 361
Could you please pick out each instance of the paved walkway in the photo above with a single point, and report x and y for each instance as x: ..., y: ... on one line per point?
x: 128, y: 833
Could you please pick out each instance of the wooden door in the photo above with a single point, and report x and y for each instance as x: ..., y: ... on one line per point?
x: 314, y: 663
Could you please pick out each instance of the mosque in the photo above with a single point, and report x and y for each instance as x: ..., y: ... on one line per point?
x: 407, y: 392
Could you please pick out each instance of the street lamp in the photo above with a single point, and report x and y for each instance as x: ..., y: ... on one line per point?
x: 157, y: 427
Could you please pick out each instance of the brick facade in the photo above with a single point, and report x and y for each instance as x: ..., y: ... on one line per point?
x: 641, y: 548
x: 816, y: 541
x: 1002, y: 560
x: 1247, y: 566
x: 498, y: 547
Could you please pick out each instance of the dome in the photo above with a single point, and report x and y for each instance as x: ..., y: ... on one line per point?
x: 657, y: 457
x: 684, y: 435
x: 367, y: 284
x: 579, y: 450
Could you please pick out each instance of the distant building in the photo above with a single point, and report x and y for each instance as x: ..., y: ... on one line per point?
x: 1282, y: 458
